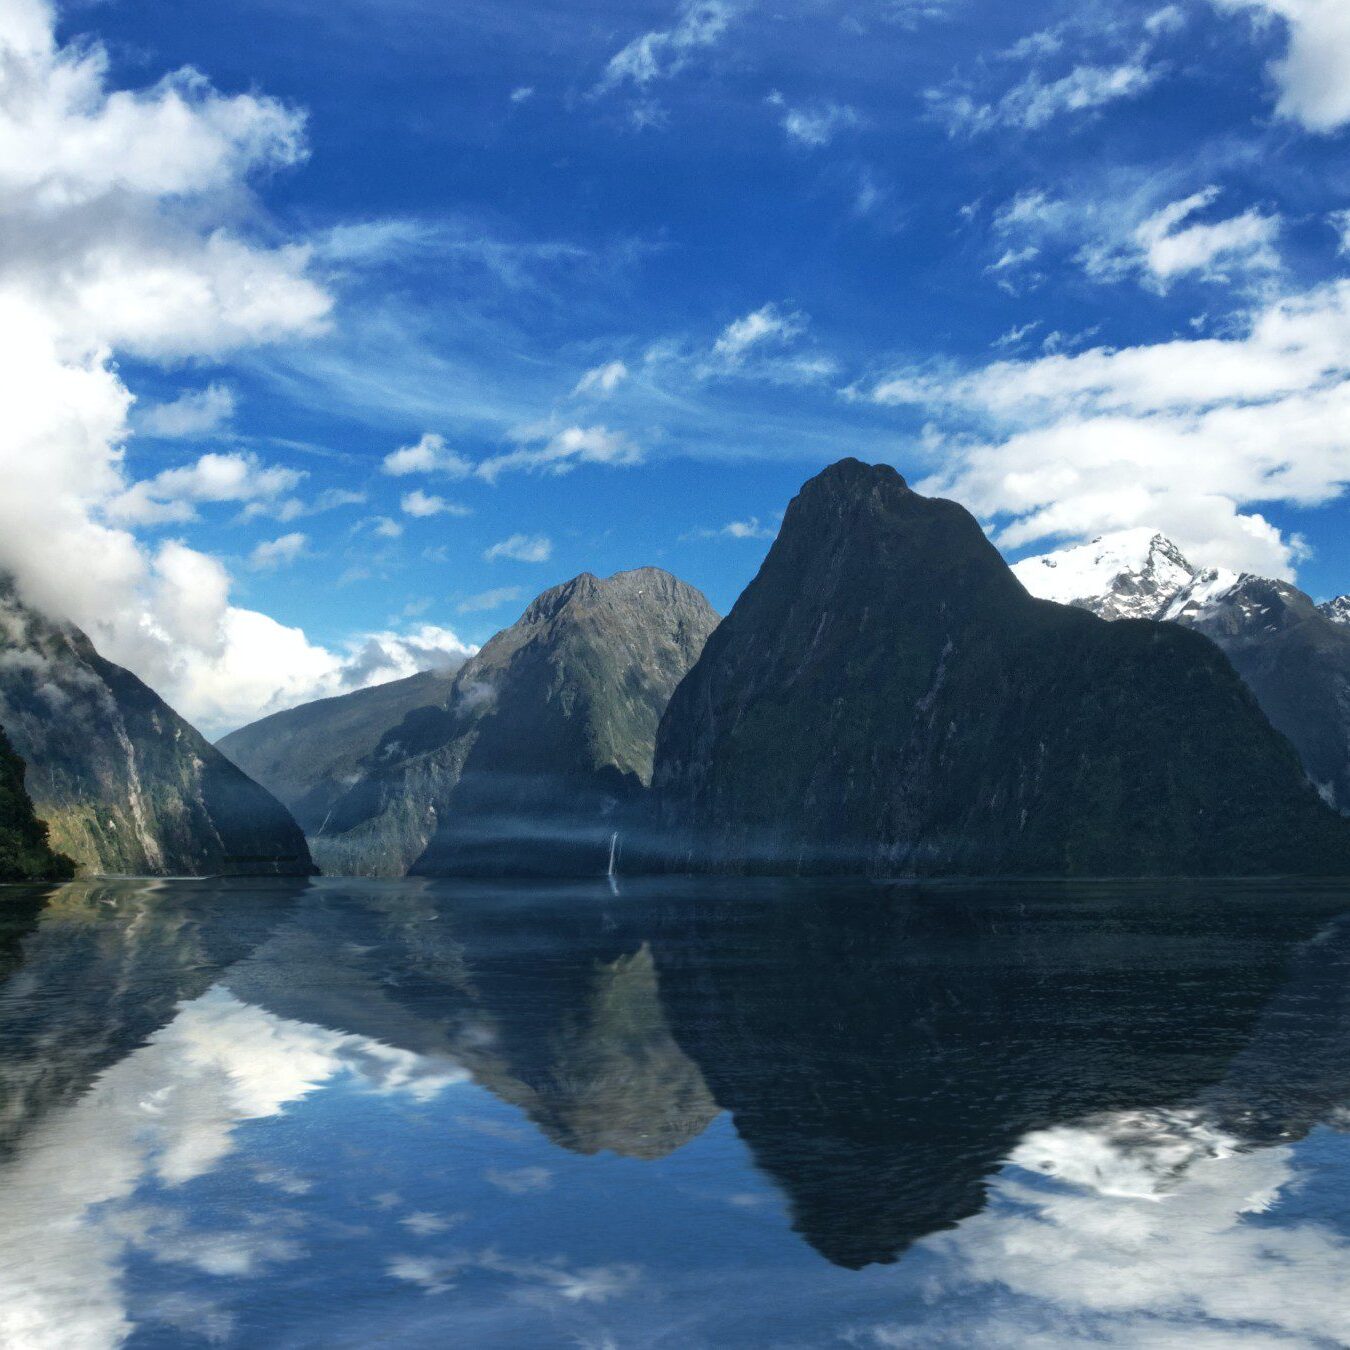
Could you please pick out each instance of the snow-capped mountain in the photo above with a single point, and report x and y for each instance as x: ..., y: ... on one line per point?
x: 1131, y: 574
x: 1337, y: 610
x: 1293, y: 654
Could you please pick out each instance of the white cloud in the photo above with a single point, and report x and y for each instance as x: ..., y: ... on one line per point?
x: 561, y: 451
x: 527, y: 548
x: 196, y: 412
x: 279, y: 552
x: 602, y: 380
x: 522, y: 93
x: 429, y: 455
x: 174, y: 494
x: 750, y: 528
x: 661, y: 53
x: 492, y: 599
x: 1313, y: 76
x: 521, y: 1180
x: 421, y: 505
x: 1187, y: 435
x: 764, y: 325
x: 1034, y: 102
x: 122, y: 214
x: 820, y: 123
x: 1165, y: 246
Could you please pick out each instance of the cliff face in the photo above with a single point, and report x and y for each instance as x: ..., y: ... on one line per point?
x: 307, y: 757
x: 542, y: 750
x: 25, y: 854
x: 125, y: 784
x: 887, y: 697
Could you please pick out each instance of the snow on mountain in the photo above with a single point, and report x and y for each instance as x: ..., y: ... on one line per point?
x: 1128, y: 574
x: 1206, y: 590
x: 1337, y: 610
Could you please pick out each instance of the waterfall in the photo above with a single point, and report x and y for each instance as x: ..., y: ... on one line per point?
x: 613, y: 850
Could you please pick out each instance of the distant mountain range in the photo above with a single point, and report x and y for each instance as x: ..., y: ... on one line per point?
x: 124, y: 783
x: 1293, y: 653
x: 886, y: 697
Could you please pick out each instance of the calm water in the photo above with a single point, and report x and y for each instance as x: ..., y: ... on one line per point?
x: 685, y: 1114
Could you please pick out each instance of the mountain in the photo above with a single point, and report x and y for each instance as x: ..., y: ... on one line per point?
x: 1337, y: 610
x: 1293, y: 654
x: 307, y: 757
x: 25, y: 854
x: 1129, y: 575
x: 887, y: 697
x: 541, y: 752
x: 126, y: 785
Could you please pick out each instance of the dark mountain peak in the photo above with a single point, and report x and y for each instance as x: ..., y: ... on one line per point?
x: 886, y: 696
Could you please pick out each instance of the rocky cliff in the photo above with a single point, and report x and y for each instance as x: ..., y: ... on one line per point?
x: 541, y: 752
x: 126, y: 785
x: 25, y: 854
x: 885, y: 696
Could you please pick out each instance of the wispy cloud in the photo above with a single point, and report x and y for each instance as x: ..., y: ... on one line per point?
x: 194, y: 413
x: 422, y: 505
x: 280, y: 552
x: 663, y: 52
x: 491, y: 599
x: 561, y: 451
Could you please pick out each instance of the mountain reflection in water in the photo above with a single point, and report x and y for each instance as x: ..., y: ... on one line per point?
x: 292, y: 1113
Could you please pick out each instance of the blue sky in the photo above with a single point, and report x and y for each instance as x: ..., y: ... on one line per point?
x: 625, y: 275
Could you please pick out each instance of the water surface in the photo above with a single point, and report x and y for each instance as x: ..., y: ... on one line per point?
x: 674, y: 1113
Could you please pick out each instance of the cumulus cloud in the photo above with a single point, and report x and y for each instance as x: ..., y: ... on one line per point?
x: 173, y: 495
x: 194, y: 413
x: 274, y: 553
x: 422, y: 504
x: 527, y: 548
x: 664, y: 52
x: 1186, y: 435
x: 121, y: 212
x: 429, y: 455
x: 765, y: 345
x: 549, y: 451
x: 750, y: 528
x: 1313, y: 75
x: 766, y: 324
x: 1170, y: 244
x: 602, y: 380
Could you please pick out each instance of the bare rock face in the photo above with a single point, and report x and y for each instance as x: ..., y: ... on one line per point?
x: 537, y: 760
x: 125, y: 784
x: 886, y: 697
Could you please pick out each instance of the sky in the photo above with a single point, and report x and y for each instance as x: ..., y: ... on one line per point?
x: 331, y: 333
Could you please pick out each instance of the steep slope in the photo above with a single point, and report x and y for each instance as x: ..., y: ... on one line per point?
x: 1293, y: 654
x: 307, y: 757
x: 1337, y: 610
x: 1294, y: 659
x: 126, y: 785
x: 542, y: 750
x: 25, y: 854
x: 885, y: 696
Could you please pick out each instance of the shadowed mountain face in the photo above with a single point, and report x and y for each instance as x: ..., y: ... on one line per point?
x: 307, y: 757
x: 541, y: 752
x: 125, y: 784
x: 1293, y: 654
x: 886, y: 697
x: 25, y: 854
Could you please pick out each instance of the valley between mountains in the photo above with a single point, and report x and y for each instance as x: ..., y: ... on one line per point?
x: 887, y: 697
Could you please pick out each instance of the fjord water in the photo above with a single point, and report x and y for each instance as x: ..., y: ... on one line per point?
x: 675, y: 1113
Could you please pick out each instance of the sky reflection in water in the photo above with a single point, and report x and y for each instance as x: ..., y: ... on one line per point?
x: 690, y: 1114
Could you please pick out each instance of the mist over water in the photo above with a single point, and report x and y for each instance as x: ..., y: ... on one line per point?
x: 673, y: 1112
